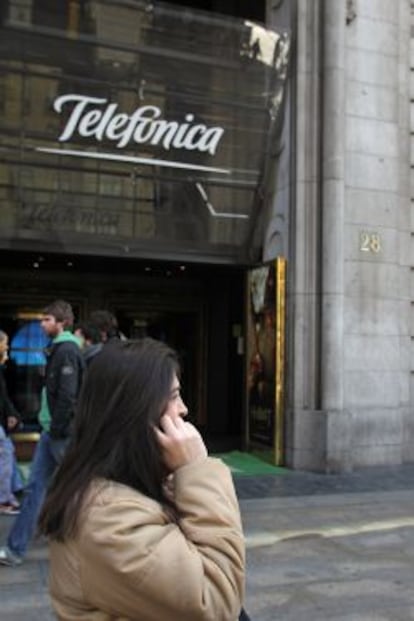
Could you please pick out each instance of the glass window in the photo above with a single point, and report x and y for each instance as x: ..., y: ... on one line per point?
x: 138, y: 125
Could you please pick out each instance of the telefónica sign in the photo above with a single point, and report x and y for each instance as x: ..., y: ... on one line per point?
x: 94, y: 117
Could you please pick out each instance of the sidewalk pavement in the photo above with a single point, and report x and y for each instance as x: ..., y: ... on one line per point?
x: 330, y: 547
x: 297, y: 503
x: 274, y: 508
x: 297, y: 483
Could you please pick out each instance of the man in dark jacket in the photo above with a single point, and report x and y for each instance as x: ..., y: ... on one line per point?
x: 90, y: 338
x: 63, y: 378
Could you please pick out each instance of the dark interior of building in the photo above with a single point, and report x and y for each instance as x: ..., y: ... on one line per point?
x: 197, y: 309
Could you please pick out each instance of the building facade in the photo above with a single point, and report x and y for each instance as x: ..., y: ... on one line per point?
x: 277, y: 132
x: 350, y: 364
x: 135, y: 140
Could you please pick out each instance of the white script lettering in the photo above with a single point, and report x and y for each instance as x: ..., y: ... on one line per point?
x: 95, y: 117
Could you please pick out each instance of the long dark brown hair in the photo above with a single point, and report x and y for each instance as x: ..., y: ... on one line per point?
x: 125, y: 391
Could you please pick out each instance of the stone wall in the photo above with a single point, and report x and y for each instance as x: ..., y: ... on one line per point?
x: 349, y: 364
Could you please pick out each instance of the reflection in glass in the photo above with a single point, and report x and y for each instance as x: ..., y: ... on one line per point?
x: 169, y: 149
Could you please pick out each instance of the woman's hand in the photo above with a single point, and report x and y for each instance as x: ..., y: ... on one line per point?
x: 12, y: 422
x: 180, y: 442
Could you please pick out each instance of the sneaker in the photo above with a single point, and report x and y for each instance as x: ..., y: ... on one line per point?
x: 10, y: 509
x: 9, y: 558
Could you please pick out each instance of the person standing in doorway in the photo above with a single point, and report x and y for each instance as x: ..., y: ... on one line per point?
x: 107, y: 324
x: 63, y: 376
x: 10, y: 479
x: 90, y: 339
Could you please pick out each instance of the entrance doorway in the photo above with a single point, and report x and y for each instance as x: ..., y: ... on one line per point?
x: 197, y: 309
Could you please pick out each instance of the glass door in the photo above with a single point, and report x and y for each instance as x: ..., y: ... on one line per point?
x: 24, y: 371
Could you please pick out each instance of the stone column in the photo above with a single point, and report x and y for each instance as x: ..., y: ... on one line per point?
x: 305, y: 423
x: 332, y: 250
x: 333, y: 193
x: 406, y: 222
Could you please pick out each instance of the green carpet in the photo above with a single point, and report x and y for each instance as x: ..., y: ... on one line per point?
x: 247, y: 464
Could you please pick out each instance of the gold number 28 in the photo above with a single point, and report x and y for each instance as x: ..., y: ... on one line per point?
x: 370, y: 242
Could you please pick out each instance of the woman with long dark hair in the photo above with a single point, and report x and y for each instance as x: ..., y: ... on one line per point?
x: 142, y: 523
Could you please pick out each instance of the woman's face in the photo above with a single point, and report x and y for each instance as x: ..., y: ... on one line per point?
x: 175, y: 405
x: 4, y: 348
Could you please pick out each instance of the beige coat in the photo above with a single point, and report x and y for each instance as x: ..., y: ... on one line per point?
x: 131, y: 561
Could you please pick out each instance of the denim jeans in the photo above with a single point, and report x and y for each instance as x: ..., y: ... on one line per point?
x: 48, y: 454
x: 6, y: 469
x: 16, y: 479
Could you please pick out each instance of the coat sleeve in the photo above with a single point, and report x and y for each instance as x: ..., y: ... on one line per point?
x: 139, y: 565
x: 7, y: 408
